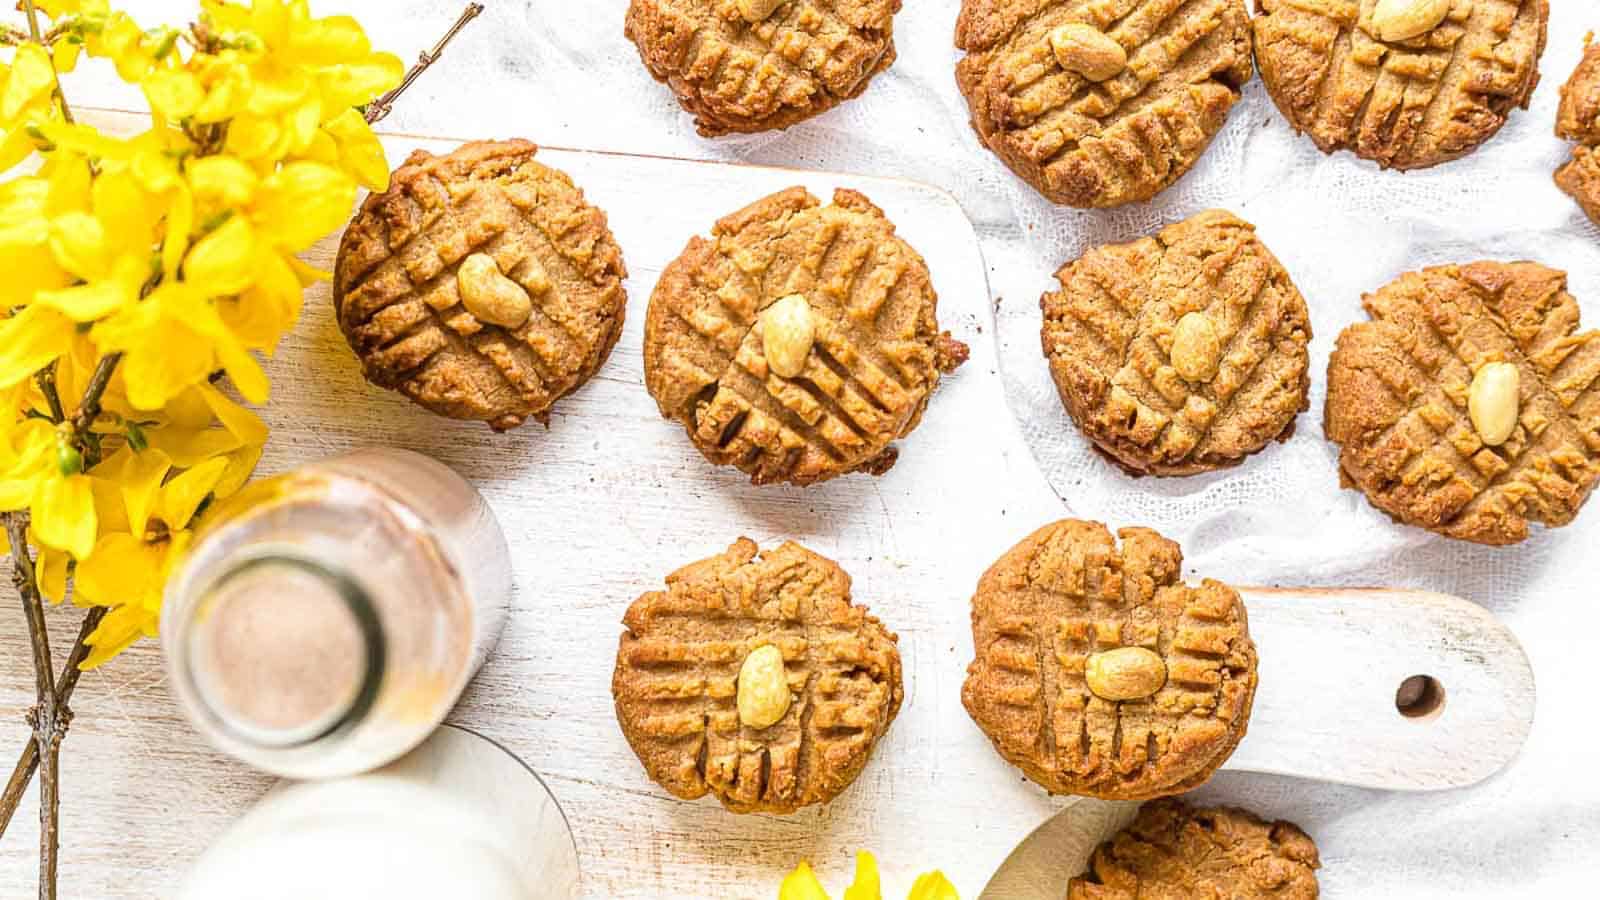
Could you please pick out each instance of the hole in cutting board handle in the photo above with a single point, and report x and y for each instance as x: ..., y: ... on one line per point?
x: 1420, y: 698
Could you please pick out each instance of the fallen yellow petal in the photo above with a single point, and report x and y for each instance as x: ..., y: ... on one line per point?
x: 866, y: 885
x: 801, y: 884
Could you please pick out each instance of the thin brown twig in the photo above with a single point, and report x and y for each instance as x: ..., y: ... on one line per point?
x: 26, y: 581
x: 379, y: 108
x: 47, y: 386
x: 34, y: 34
x: 47, y: 717
x: 28, y: 760
x: 89, y: 407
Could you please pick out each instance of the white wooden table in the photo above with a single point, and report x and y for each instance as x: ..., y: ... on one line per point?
x: 611, y: 497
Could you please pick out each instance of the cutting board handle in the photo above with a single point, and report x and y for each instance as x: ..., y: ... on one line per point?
x: 1330, y: 705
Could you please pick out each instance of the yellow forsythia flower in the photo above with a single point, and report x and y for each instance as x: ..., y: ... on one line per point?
x: 933, y: 886
x: 802, y: 884
x: 173, y: 251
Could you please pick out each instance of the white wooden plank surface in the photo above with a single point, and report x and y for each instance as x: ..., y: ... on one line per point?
x: 604, y: 503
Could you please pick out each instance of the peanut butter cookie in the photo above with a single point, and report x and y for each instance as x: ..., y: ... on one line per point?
x: 1579, y: 120
x: 1173, y: 851
x: 754, y: 678
x: 799, y: 341
x: 754, y: 65
x: 1095, y: 103
x: 1470, y: 405
x: 1100, y: 672
x: 1180, y: 353
x: 480, y: 284
x: 1405, y: 83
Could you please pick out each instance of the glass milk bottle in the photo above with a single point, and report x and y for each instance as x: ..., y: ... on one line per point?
x: 326, y: 620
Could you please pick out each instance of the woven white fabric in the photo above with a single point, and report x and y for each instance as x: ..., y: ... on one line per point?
x: 560, y: 71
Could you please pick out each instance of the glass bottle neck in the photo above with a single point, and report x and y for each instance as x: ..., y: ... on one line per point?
x: 281, y: 650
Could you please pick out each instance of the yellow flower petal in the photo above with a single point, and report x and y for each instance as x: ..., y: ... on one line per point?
x: 188, y: 410
x: 68, y: 184
x: 801, y: 884
x: 16, y: 145
x: 302, y: 203
x: 160, y: 369
x: 109, y: 510
x: 139, y: 476
x: 51, y: 569
x: 63, y: 514
x: 241, y: 464
x: 27, y: 272
x: 223, y: 180
x: 78, y: 242
x: 117, y: 631
x: 65, y: 55
x: 239, y: 422
x: 268, y: 309
x: 353, y: 84
x: 222, y: 261
x: 866, y: 885
x: 933, y: 886
x: 27, y: 449
x: 302, y: 123
x: 270, y: 19
x: 192, y: 446
x: 88, y: 302
x: 329, y: 41
x: 360, y: 152
x: 30, y: 340
x: 122, y: 569
x: 31, y: 77
x: 227, y: 93
x: 183, y: 495
x: 255, y: 137
x: 180, y: 223
x: 174, y: 94
x: 127, y: 212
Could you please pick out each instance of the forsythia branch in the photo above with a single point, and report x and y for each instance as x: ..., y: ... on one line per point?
x: 47, y: 716
x: 378, y: 109
x: 28, y: 761
x: 50, y: 716
x: 33, y: 33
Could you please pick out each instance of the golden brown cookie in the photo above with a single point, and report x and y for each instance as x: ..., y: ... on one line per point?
x: 754, y: 65
x: 1470, y: 405
x: 1099, y: 672
x: 754, y: 678
x: 1173, y: 851
x: 799, y: 340
x: 1405, y: 83
x: 480, y: 284
x: 1180, y: 353
x: 1579, y: 120
x: 1097, y: 103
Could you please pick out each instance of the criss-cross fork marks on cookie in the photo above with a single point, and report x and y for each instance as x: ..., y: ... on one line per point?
x: 1119, y: 140
x: 1398, y: 401
x: 1109, y: 336
x: 734, y: 75
x: 875, y: 357
x: 1068, y: 592
x: 1579, y: 120
x: 399, y: 303
x: 1403, y: 104
x: 676, y: 679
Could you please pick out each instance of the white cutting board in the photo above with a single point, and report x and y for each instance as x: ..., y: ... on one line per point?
x: 608, y: 500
